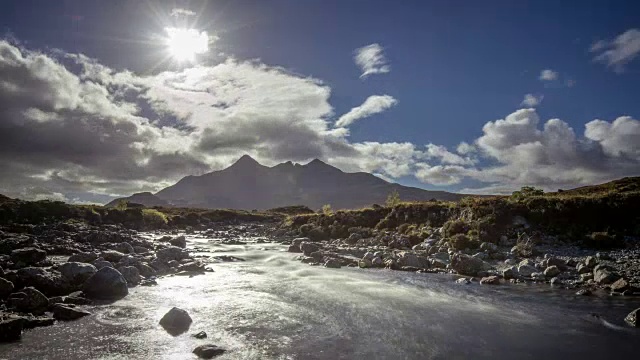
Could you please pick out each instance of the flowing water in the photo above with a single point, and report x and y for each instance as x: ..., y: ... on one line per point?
x: 273, y: 307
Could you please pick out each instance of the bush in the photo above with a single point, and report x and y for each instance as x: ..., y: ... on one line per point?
x: 525, y: 246
x: 454, y: 227
x: 154, y: 218
x: 461, y: 242
x: 326, y: 209
x: 526, y: 192
x: 393, y: 199
x: 602, y: 240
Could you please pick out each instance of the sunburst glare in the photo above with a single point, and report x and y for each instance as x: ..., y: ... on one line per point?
x: 184, y: 44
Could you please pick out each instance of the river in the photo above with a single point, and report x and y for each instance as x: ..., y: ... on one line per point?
x: 273, y: 307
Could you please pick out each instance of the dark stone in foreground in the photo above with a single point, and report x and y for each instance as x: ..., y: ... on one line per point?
x: 107, y: 284
x: 633, y: 318
x: 200, y: 335
x: 176, y: 321
x: 28, y: 255
x: 68, y: 312
x: 29, y: 300
x: 11, y: 330
x: 208, y: 351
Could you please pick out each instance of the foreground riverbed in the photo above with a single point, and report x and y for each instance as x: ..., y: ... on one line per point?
x: 270, y: 306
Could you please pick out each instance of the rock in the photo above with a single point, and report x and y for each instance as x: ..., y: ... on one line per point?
x: 108, y: 283
x: 481, y: 255
x: 192, y: 266
x: 48, y: 282
x: 412, y: 260
x: 123, y: 247
x: 490, y: 280
x: 467, y: 265
x: 172, y: 253
x: 308, y: 248
x: 633, y: 318
x: 131, y: 275
x: 538, y: 276
x: 146, y: 270
x: 99, y: 264
x: 620, y: 285
x: 604, y: 276
x: 554, y: 261
x: 586, y: 277
x: 555, y: 281
x: 83, y: 257
x: 6, y: 288
x: 28, y: 255
x: 437, y: 264
x: 526, y: 270
x: 583, y: 269
x: 333, y: 264
x: 111, y: 255
x: 463, y: 281
x: 583, y: 292
x: 377, y: 262
x: 602, y: 256
x: 509, y: 273
x: 77, y: 272
x: 180, y: 241
x: 364, y: 263
x: 488, y: 247
x: 591, y: 261
x: 200, y: 335
x: 11, y: 330
x: 294, y: 248
x: 176, y: 321
x: 29, y: 300
x: 208, y: 351
x: 552, y: 271
x: 67, y: 312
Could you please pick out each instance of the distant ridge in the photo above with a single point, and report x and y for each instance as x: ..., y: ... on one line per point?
x: 249, y: 185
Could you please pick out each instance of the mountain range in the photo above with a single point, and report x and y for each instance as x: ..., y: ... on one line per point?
x: 249, y: 185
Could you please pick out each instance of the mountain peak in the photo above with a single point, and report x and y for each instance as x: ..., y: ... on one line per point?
x: 246, y: 160
x: 317, y: 162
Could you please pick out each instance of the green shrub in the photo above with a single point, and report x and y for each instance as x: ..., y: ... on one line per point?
x: 453, y: 227
x: 526, y: 192
x: 393, y: 199
x: 154, y: 218
x: 461, y: 242
x: 326, y: 209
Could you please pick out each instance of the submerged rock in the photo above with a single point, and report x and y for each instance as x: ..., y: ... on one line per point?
x: 200, y: 335
x: 108, y: 283
x: 633, y: 318
x: 490, y: 280
x: 180, y: 241
x: 208, y: 351
x: 67, y: 312
x: 333, y: 264
x: 176, y: 321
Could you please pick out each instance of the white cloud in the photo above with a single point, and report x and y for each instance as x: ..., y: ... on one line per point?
x: 620, y: 51
x: 531, y: 100
x: 548, y: 75
x: 373, y: 105
x: 181, y: 12
x: 465, y: 149
x: 371, y: 60
x: 444, y: 156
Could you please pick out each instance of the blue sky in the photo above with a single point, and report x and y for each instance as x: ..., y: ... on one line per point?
x: 454, y: 66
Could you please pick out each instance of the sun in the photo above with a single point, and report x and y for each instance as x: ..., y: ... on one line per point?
x: 184, y: 44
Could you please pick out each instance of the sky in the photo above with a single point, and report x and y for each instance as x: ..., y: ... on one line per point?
x: 100, y: 99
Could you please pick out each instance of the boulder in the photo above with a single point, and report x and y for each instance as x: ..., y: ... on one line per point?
x: 11, y: 330
x: 77, y: 272
x: 294, y: 248
x: 131, y: 274
x: 333, y: 264
x: 583, y: 268
x: 591, y: 261
x: 308, y: 248
x: 172, y: 253
x: 180, y: 241
x: 364, y: 263
x: 208, y: 351
x: 377, y: 262
x: 29, y: 300
x: 468, y: 265
x: 83, y: 257
x: 67, y: 312
x: 108, y: 283
x: 463, y: 281
x: 47, y: 281
x: 6, y: 288
x: 176, y: 321
x: 99, y: 264
x: 526, y: 270
x: 28, y: 255
x: 123, y: 247
x: 554, y: 261
x: 633, y: 318
x: 146, y: 270
x: 510, y: 272
x: 488, y: 247
x: 412, y: 260
x: 111, y: 255
x: 604, y: 276
x: 552, y: 271
x: 490, y: 280
x: 200, y: 335
x: 620, y: 285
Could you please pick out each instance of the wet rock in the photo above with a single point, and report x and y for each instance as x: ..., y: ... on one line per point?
x: 377, y: 262
x: 108, y: 283
x: 123, y: 247
x: 467, y: 265
x: 176, y: 321
x: 583, y: 292
x: 308, y: 248
x: 591, y: 261
x: 180, y: 241
x: 11, y: 330
x: 633, y: 318
x: 200, y: 335
x: 490, y: 280
x: 294, y: 248
x: 552, y: 271
x: 131, y: 274
x: 559, y: 263
x: 537, y: 276
x: 620, y: 285
x: 83, y: 257
x: 412, y: 260
x: 604, y: 276
x: 146, y: 270
x: 555, y: 281
x: 48, y: 282
x: 29, y: 300
x: 526, y: 270
x: 172, y: 253
x: 77, y: 272
x: 208, y: 351
x: 99, y: 264
x: 488, y: 247
x: 111, y: 255
x: 333, y: 264
x: 67, y: 312
x: 6, y: 288
x: 463, y: 281
x: 28, y: 256
x: 509, y: 273
x: 364, y: 263
x: 583, y: 268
